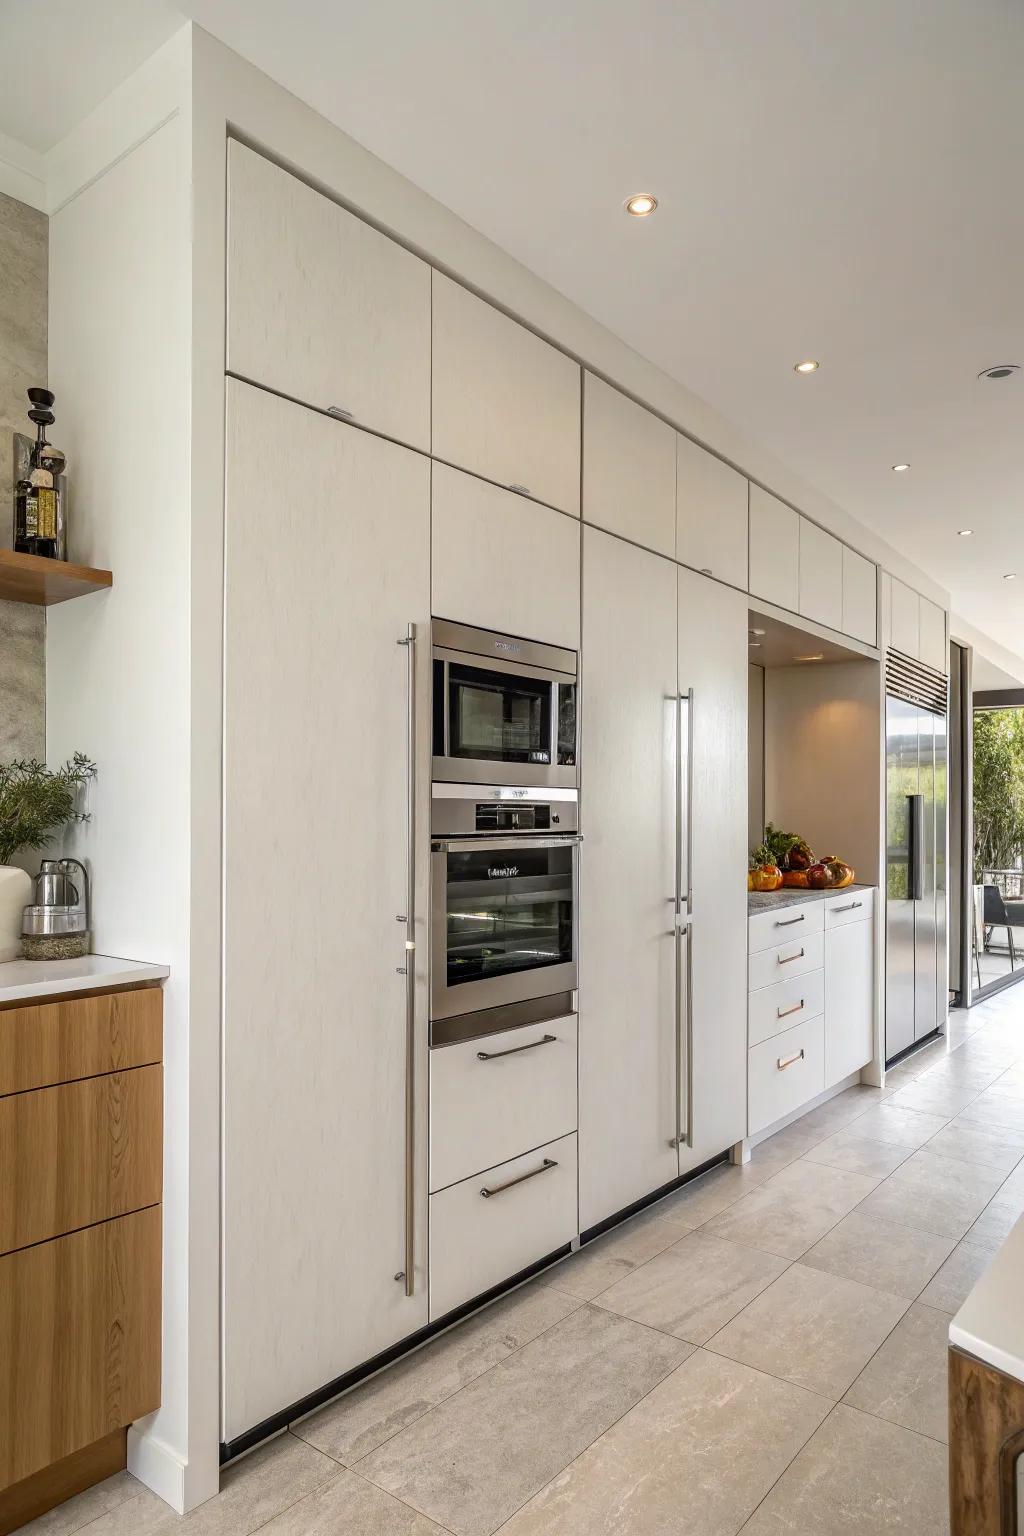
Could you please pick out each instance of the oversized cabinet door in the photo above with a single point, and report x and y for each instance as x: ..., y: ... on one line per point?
x: 926, y: 905
x: 713, y: 675
x: 627, y: 994
x: 327, y: 563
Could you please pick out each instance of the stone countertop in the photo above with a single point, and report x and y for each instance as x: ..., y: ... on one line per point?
x: 990, y: 1324
x: 43, y: 979
x: 791, y: 896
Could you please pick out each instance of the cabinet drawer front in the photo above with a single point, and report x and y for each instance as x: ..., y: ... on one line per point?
x: 477, y: 1240
x: 849, y: 907
x: 80, y: 1037
x: 495, y: 1098
x: 767, y: 930
x: 795, y: 958
x: 80, y: 1320
x: 79, y: 1153
x: 784, y: 1073
x: 773, y: 1010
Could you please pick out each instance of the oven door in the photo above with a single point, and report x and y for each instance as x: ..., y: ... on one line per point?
x: 503, y: 922
x: 499, y: 722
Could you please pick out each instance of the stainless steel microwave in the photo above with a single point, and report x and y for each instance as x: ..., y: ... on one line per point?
x: 504, y: 709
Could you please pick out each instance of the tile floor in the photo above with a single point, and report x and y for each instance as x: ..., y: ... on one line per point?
x: 763, y: 1352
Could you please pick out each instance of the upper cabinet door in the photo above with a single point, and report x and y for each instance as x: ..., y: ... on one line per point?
x: 905, y: 620
x: 506, y: 404
x: 774, y: 549
x: 629, y: 468
x: 821, y: 575
x: 711, y: 514
x: 933, y: 635
x: 323, y: 308
x: 860, y: 597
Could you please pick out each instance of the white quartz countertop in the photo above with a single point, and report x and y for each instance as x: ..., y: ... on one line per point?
x: 53, y: 978
x: 990, y: 1324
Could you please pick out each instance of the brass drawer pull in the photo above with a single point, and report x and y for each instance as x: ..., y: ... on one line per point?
x: 782, y: 1065
x: 850, y: 906
x: 784, y: 1013
x: 499, y: 1189
x: 515, y: 1049
x: 790, y: 958
x: 790, y: 921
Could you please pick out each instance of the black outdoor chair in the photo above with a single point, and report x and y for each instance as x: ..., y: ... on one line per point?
x: 995, y: 915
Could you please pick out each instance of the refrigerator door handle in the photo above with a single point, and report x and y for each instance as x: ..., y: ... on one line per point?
x: 915, y: 851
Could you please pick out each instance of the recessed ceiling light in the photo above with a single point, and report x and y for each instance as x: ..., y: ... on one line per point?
x: 1010, y: 576
x: 900, y: 469
x: 1000, y: 371
x: 964, y: 533
x: 809, y: 365
x: 641, y: 204
x: 818, y: 656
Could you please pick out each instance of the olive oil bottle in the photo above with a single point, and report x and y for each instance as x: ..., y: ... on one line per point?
x: 39, y: 493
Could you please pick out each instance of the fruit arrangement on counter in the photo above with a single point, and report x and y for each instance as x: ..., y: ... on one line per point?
x: 786, y: 859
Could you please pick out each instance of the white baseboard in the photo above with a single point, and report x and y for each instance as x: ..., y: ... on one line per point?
x: 797, y: 1114
x: 161, y: 1470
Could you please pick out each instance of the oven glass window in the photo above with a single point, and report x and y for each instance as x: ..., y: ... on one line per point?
x: 497, y: 716
x: 508, y: 910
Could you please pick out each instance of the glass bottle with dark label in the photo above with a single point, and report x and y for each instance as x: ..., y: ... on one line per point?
x: 38, y: 514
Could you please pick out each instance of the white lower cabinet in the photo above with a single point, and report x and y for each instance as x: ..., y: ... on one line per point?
x: 772, y: 1010
x: 786, y: 1072
x: 849, y: 998
x: 493, y: 1097
x: 489, y: 1227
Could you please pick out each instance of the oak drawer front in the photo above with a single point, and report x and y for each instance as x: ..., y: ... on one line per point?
x: 494, y: 1098
x: 79, y: 1037
x: 477, y: 1239
x: 849, y: 907
x: 80, y: 1339
x: 794, y: 958
x: 773, y: 1010
x: 79, y: 1153
x: 767, y: 930
x: 784, y: 1073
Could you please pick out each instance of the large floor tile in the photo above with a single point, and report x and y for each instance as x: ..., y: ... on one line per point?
x: 350, y: 1506
x: 252, y: 1492
x: 694, y: 1287
x: 696, y: 1456
x: 840, y: 1111
x: 906, y: 1381
x: 901, y: 1127
x: 471, y: 1462
x: 999, y: 1217
x: 997, y: 1106
x: 897, y: 1259
x: 793, y: 1209
x: 859, y: 1476
x: 970, y: 1141
x: 845, y: 1149
x: 935, y: 1194
x: 952, y: 1284
x: 75, y: 1513
x: 712, y: 1193
x: 606, y: 1259
x: 944, y: 1098
x: 357, y: 1423
x: 811, y: 1328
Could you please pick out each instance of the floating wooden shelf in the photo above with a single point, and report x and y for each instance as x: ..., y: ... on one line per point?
x: 33, y: 579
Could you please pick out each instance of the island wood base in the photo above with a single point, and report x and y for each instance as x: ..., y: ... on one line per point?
x: 35, y: 1495
x: 986, y: 1436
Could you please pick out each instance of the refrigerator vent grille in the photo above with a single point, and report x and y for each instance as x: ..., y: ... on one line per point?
x: 913, y: 681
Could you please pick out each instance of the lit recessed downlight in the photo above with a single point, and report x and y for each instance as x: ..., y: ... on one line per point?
x: 900, y: 469
x: 1010, y: 576
x: 964, y: 533
x: 818, y: 656
x: 809, y: 365
x: 641, y: 204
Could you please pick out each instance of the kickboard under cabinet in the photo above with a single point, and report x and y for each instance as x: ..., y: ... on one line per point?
x: 477, y: 1240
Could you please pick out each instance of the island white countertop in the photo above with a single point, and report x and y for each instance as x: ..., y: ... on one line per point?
x: 990, y: 1324
x: 54, y: 978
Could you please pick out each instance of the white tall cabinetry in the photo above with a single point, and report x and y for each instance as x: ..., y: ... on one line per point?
x: 324, y: 571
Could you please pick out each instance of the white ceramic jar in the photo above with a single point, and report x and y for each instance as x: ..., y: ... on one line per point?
x: 15, y: 895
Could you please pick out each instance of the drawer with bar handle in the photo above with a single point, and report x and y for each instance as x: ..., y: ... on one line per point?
x: 848, y: 907
x: 766, y: 930
x: 496, y: 1096
x: 784, y: 1073
x: 489, y: 1227
x: 795, y: 957
x: 772, y: 1010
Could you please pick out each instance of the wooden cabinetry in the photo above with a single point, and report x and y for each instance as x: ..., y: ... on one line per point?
x: 315, y: 1059
x: 506, y: 405
x: 860, y: 600
x: 933, y: 635
x: 711, y: 514
x: 821, y: 575
x: 323, y: 308
x: 629, y: 468
x: 774, y: 550
x: 80, y: 1222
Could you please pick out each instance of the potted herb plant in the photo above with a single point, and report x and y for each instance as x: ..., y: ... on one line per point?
x: 35, y: 803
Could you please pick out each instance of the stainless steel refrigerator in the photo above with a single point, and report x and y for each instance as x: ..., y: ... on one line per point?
x: 916, y: 985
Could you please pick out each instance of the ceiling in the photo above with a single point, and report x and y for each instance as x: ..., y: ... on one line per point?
x: 838, y: 181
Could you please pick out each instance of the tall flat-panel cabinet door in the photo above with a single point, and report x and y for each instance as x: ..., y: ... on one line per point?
x: 324, y: 571
x: 711, y: 514
x: 629, y: 468
x: 714, y: 663
x: 322, y: 307
x: 627, y: 1039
